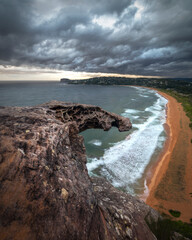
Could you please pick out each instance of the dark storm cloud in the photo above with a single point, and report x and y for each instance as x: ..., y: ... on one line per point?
x: 132, y: 37
x: 14, y: 18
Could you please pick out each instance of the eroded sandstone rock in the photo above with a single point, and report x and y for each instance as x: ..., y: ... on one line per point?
x: 45, y: 190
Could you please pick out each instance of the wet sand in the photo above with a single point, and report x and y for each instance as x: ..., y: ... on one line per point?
x: 170, y: 184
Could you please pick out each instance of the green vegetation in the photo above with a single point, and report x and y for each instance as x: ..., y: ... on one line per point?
x: 175, y: 213
x: 164, y: 228
x: 184, y: 99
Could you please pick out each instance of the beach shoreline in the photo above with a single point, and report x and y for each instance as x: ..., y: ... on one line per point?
x: 170, y: 182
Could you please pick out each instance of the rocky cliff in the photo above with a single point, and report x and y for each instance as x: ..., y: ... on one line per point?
x: 45, y: 189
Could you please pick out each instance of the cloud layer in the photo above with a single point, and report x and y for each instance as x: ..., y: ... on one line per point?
x: 129, y: 37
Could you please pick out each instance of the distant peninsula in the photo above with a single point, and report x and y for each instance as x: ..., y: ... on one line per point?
x: 183, y: 85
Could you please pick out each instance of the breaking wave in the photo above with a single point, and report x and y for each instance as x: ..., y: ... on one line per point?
x: 124, y: 163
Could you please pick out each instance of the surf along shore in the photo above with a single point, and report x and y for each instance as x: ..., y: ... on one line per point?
x: 170, y: 181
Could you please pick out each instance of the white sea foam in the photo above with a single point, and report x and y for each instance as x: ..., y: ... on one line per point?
x: 143, y: 92
x: 95, y: 142
x: 132, y: 111
x: 142, y: 95
x: 124, y: 163
x: 94, y: 163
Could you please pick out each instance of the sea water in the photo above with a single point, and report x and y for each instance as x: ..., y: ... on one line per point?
x: 122, y: 158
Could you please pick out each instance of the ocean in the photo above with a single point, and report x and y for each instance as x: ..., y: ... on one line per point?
x: 124, y: 158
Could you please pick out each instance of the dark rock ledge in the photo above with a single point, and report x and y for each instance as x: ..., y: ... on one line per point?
x: 45, y: 190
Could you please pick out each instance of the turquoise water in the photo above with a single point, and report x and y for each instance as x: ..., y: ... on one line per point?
x: 122, y: 158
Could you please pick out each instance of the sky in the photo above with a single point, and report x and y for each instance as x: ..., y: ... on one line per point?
x: 48, y: 40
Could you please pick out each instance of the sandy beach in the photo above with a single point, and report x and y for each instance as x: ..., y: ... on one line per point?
x: 170, y: 185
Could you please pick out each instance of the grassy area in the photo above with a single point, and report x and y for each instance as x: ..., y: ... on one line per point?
x: 175, y: 213
x: 164, y: 228
x: 184, y: 99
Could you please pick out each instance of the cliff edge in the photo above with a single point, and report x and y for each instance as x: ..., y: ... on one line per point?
x: 45, y: 189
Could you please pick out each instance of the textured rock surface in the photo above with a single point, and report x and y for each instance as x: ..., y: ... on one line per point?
x: 45, y: 190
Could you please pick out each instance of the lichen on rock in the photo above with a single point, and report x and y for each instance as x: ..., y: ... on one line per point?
x: 64, y: 194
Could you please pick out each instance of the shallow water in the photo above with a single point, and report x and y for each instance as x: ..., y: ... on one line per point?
x: 120, y: 157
